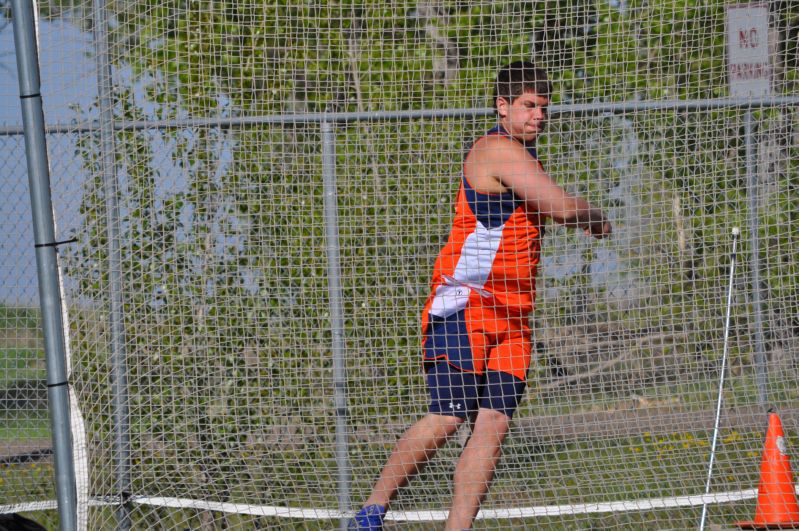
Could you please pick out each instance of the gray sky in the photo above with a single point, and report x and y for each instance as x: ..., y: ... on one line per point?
x: 67, y: 73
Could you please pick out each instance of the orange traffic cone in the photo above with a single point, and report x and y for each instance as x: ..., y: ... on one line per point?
x: 776, y: 497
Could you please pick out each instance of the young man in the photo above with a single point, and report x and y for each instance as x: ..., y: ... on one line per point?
x: 477, y: 340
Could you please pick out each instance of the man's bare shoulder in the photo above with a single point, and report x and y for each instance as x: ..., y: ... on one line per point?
x: 498, y: 148
x: 496, y: 164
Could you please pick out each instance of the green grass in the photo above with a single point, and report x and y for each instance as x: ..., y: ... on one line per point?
x: 30, y: 482
x: 34, y: 425
x: 599, y: 470
x: 22, y: 374
x: 22, y: 371
x: 583, y: 471
x: 532, y: 473
x: 21, y: 364
x: 700, y: 394
x: 20, y: 318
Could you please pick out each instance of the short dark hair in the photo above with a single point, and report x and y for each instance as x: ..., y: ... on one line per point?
x: 518, y: 77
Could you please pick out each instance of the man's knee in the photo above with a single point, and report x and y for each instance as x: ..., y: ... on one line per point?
x: 491, y: 424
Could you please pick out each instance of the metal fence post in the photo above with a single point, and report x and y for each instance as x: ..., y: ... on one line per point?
x: 46, y: 260
x: 336, y: 315
x: 117, y: 325
x: 754, y: 236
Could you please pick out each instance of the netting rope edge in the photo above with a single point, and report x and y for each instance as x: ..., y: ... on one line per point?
x: 408, y: 516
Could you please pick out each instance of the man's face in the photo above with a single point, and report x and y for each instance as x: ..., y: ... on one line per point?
x: 525, y: 118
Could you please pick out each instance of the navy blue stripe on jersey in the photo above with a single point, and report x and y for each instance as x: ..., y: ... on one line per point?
x: 492, y: 210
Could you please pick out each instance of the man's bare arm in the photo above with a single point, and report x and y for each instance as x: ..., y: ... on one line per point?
x: 510, y: 163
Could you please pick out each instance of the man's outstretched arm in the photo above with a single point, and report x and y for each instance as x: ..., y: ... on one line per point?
x: 517, y: 170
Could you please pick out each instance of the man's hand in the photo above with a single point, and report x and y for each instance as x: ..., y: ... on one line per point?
x: 599, y: 229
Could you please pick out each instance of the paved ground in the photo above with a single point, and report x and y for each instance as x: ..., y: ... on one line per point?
x: 27, y: 450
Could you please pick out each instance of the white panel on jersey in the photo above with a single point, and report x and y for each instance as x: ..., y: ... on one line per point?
x: 471, y: 271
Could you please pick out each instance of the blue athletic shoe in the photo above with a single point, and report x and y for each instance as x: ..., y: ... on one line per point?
x: 370, y: 518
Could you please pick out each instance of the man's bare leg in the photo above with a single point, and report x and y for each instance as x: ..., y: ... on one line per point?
x: 414, y: 449
x: 476, y: 466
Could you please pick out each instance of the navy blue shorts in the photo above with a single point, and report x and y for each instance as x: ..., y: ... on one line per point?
x: 460, y: 394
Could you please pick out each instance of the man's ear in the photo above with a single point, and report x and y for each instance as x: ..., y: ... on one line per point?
x: 502, y: 107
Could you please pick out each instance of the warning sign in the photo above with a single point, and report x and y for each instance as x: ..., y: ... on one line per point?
x: 748, y: 63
